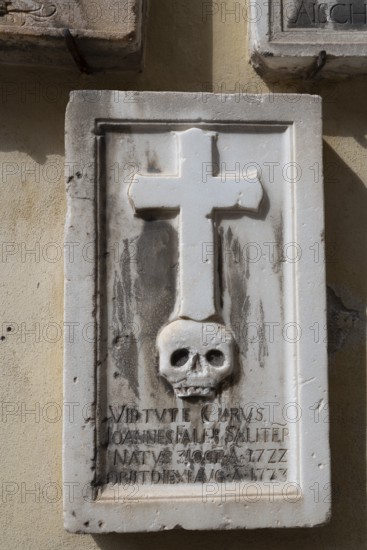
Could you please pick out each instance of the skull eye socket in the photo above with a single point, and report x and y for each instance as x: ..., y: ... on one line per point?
x: 179, y: 357
x: 215, y: 357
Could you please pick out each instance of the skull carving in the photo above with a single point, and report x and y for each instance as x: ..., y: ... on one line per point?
x: 195, y: 357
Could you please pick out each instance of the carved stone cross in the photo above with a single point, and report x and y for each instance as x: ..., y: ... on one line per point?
x: 178, y: 393
x: 197, y: 196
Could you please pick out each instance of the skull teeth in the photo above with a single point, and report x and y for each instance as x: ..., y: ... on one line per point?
x: 187, y: 391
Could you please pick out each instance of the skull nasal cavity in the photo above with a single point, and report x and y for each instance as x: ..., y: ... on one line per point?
x: 215, y: 357
x: 179, y: 357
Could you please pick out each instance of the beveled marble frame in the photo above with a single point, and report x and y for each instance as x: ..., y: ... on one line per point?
x: 86, y: 508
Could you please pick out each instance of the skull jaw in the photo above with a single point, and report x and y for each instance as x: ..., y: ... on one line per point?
x: 185, y: 390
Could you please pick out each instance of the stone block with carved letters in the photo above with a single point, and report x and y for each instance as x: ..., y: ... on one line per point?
x: 308, y: 39
x: 195, y: 360
x: 94, y: 35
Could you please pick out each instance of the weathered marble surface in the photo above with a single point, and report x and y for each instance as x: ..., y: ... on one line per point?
x: 197, y: 289
x: 95, y: 35
x: 306, y: 38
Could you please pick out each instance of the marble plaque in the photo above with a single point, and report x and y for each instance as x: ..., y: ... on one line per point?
x: 93, y: 35
x: 195, y: 355
x: 305, y: 38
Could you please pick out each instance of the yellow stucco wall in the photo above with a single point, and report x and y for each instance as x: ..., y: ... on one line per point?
x: 183, y: 52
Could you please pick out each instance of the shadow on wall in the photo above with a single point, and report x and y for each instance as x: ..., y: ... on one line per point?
x: 179, y: 47
x: 178, y: 56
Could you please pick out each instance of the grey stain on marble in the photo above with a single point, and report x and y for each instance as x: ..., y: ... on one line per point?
x: 155, y: 287
x: 124, y: 345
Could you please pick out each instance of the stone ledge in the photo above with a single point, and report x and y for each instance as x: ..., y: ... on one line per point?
x: 58, y: 33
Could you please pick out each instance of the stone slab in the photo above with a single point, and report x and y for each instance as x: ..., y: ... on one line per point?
x: 195, y: 363
x: 93, y: 35
x: 302, y: 39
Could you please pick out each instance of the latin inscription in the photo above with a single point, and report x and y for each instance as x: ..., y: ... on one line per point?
x: 193, y: 445
x: 325, y: 15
